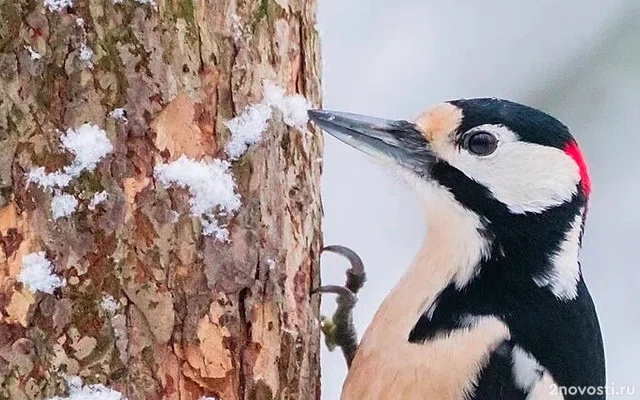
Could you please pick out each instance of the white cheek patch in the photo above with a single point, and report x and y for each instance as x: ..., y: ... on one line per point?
x: 526, y: 177
x: 565, y: 271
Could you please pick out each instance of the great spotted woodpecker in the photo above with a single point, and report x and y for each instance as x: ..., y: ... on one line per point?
x: 494, y: 305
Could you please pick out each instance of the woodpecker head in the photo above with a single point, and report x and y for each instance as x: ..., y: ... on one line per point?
x: 515, y: 168
x: 523, y: 158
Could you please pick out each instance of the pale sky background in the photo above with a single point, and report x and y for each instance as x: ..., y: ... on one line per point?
x: 577, y: 59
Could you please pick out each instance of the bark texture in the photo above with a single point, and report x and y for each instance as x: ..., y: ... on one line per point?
x: 192, y: 316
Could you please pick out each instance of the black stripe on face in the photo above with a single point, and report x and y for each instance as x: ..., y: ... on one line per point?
x: 541, y: 230
x: 531, y: 125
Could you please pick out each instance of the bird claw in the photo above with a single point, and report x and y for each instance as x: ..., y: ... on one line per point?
x: 339, y: 330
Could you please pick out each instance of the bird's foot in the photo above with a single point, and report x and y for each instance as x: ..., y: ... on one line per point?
x: 339, y: 330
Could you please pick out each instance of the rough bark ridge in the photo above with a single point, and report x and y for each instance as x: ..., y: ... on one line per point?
x: 192, y: 316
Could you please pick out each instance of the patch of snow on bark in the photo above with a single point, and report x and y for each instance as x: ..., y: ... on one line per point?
x: 109, y: 304
x: 293, y: 107
x: 63, y: 205
x: 48, y: 180
x: 37, y: 273
x: 211, y: 186
x: 80, y: 391
x: 118, y: 113
x: 86, y: 53
x: 57, y: 5
x: 88, y: 143
x: 248, y: 127
x: 98, y: 198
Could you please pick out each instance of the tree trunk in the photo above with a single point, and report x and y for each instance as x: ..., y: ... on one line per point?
x: 142, y: 297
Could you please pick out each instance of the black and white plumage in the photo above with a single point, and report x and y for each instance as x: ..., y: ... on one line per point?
x: 494, y: 305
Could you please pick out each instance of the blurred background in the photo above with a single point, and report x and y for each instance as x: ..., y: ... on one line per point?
x: 577, y: 59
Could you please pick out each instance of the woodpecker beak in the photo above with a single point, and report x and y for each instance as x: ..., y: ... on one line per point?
x: 400, y: 141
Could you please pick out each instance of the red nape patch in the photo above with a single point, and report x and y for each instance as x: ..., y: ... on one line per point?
x: 574, y: 152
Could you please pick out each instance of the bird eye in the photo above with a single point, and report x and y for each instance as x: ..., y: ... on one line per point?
x: 480, y: 143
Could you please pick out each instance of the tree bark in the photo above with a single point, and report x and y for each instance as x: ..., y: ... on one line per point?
x: 150, y: 306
